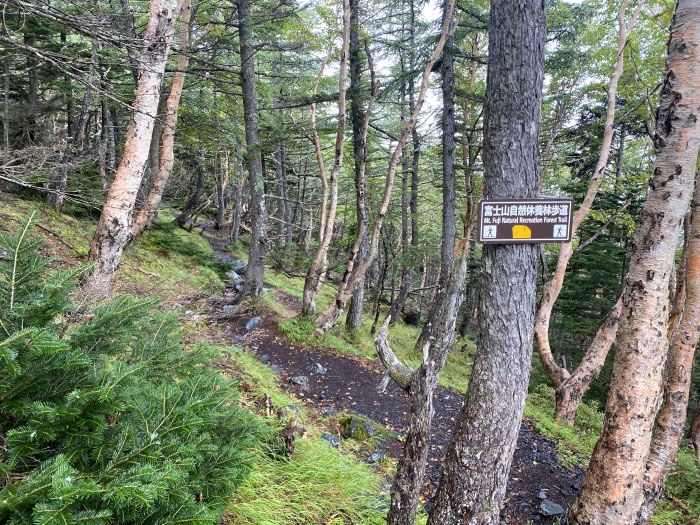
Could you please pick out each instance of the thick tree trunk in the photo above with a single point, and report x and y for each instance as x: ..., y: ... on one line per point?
x: 354, y: 274
x: 477, y: 463
x: 613, y: 489
x: 114, y: 228
x: 148, y: 212
x: 670, y: 425
x: 318, y: 266
x: 552, y: 288
x: 255, y: 274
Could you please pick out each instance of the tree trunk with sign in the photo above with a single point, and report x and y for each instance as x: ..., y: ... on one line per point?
x: 475, y: 471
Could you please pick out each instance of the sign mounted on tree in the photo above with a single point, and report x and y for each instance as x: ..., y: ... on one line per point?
x: 517, y: 221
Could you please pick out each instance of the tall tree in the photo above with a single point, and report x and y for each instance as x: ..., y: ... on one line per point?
x: 167, y: 158
x: 613, y: 491
x: 114, y: 228
x: 354, y: 317
x: 355, y: 272
x: 255, y: 274
x: 477, y: 463
x: 317, y: 269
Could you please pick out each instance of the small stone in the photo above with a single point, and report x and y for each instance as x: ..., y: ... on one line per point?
x: 317, y: 368
x: 377, y: 457
x: 333, y: 441
x: 576, y: 485
x: 549, y: 508
x: 322, y: 396
x: 254, y: 347
x: 228, y: 307
x: 276, y: 369
x: 299, y: 380
x: 264, y: 358
x: 542, y: 494
x: 328, y: 411
x: 235, y: 277
x: 305, y: 389
x: 253, y: 323
x: 241, y: 266
x: 188, y: 312
x: 237, y: 337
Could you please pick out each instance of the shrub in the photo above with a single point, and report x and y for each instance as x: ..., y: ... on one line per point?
x: 108, y: 420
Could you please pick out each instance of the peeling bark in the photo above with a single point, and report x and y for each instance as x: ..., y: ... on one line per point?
x: 148, y: 212
x: 114, y: 228
x: 613, y: 491
x: 670, y: 424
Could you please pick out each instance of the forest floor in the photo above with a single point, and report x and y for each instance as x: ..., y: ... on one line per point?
x: 350, y: 386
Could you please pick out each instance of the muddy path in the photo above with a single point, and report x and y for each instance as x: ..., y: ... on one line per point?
x: 350, y: 384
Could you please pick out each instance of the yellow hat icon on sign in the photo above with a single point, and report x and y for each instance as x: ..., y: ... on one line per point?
x: 521, y: 232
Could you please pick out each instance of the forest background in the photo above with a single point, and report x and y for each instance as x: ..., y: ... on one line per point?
x: 289, y: 181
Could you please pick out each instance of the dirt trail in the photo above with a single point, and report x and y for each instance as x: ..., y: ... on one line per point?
x: 350, y: 384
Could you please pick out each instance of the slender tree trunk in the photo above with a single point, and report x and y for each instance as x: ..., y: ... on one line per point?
x: 397, y: 305
x: 695, y: 432
x: 353, y: 320
x: 59, y: 177
x: 552, y: 288
x: 570, y: 392
x: 148, y: 212
x: 353, y: 274
x: 196, y: 191
x: 477, y: 463
x: 448, y: 194
x: 238, y: 198
x: 114, y: 228
x: 6, y: 103
x: 315, y: 273
x: 613, y: 491
x: 420, y: 386
x: 255, y: 274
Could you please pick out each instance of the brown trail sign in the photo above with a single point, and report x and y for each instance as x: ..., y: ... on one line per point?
x: 517, y: 221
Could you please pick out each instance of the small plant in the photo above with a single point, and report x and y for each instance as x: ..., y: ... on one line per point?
x: 107, y: 420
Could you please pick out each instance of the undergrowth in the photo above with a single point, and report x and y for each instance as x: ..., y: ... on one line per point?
x: 318, y: 485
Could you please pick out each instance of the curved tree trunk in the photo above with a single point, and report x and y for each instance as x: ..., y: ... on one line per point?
x: 475, y: 471
x: 552, y: 288
x: 613, y: 491
x: 148, y: 212
x: 114, y: 228
x: 318, y: 265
